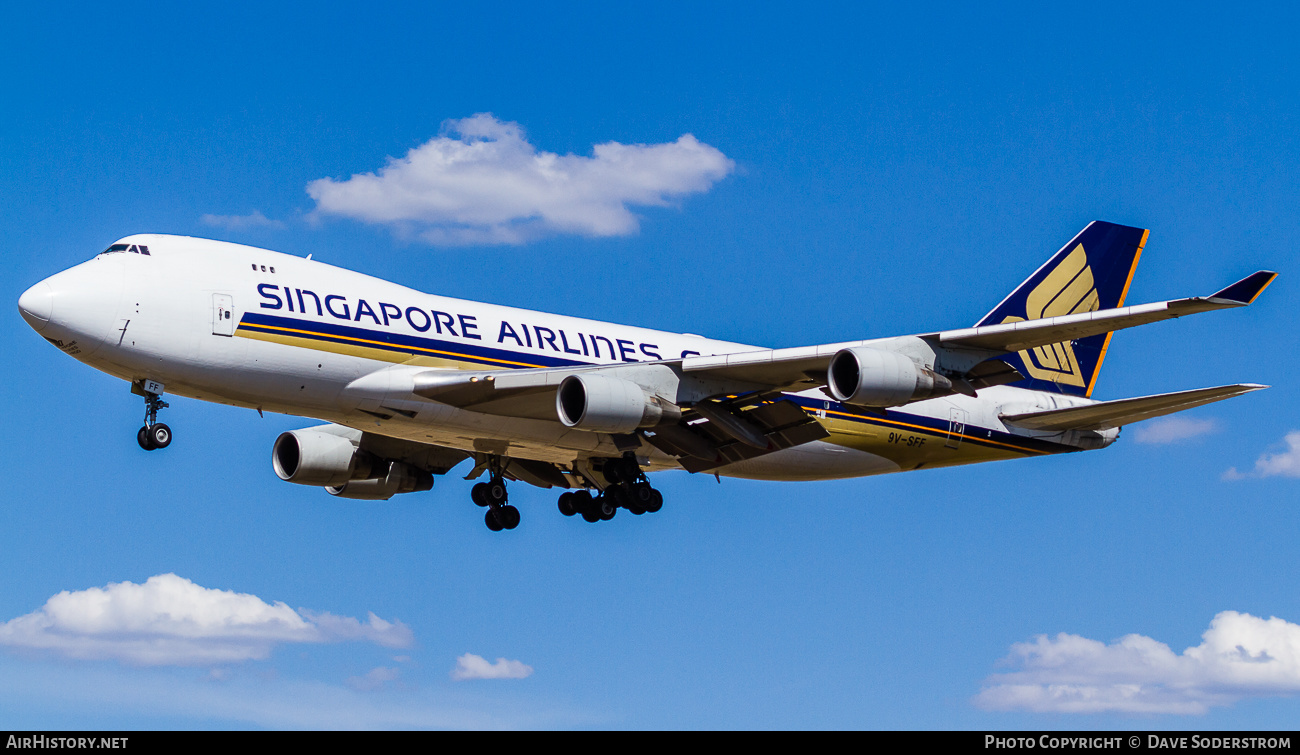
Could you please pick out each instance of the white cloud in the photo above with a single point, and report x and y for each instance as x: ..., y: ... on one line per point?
x: 82, y: 695
x: 482, y: 182
x: 470, y: 666
x: 1173, y: 429
x: 392, y: 634
x: 169, y: 620
x: 374, y: 679
x: 1283, y: 464
x: 254, y: 219
x: 1240, y: 656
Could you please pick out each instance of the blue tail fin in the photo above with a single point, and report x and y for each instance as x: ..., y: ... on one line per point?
x: 1091, y: 272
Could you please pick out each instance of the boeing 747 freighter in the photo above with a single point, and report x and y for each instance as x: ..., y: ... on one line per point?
x: 412, y: 384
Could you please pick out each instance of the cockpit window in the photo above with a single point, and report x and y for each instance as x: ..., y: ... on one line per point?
x: 132, y: 248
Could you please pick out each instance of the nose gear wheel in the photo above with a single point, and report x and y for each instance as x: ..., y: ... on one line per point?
x: 154, y: 435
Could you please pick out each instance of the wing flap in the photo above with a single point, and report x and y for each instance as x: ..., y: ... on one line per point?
x: 709, y: 441
x: 1105, y: 415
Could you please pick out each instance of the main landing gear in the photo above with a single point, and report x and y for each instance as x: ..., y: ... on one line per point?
x: 628, y: 489
x: 154, y: 434
x: 492, y: 495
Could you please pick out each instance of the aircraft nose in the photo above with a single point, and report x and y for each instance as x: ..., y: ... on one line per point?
x: 77, y: 308
x: 36, y: 305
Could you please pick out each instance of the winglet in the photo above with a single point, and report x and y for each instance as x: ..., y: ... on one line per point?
x: 1247, y: 289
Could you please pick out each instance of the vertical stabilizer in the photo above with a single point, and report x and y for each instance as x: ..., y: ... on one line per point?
x: 1091, y: 272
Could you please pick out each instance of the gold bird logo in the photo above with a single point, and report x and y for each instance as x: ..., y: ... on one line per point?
x: 1067, y: 290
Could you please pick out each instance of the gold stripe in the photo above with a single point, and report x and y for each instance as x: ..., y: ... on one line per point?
x: 1101, y: 357
x: 364, y: 352
x: 464, y: 357
x: 1133, y: 269
x: 934, y: 432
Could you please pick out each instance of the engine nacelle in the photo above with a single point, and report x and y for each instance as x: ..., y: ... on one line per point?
x: 311, y: 457
x: 600, y: 403
x: 401, y: 478
x: 863, y: 376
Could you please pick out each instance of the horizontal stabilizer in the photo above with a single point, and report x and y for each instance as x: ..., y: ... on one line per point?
x: 1104, y: 415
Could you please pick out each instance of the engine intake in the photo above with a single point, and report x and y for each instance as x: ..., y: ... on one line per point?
x: 600, y: 403
x: 311, y: 457
x: 864, y: 376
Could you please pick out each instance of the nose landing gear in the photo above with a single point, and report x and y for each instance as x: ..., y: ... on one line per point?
x: 154, y: 434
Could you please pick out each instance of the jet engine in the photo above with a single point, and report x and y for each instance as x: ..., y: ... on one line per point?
x: 401, y: 478
x: 311, y: 457
x: 863, y: 376
x: 600, y: 403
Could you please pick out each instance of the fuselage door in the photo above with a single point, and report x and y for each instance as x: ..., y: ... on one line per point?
x: 956, y: 427
x: 223, y: 315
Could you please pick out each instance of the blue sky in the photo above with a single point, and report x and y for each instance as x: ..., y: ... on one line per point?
x: 894, y: 171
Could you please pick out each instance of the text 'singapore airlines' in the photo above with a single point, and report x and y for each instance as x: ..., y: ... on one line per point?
x: 412, y: 384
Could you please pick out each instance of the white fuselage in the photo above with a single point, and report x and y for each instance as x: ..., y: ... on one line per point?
x: 258, y: 329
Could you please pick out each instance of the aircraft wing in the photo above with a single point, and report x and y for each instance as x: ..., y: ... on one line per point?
x: 530, y: 393
x: 526, y: 393
x: 1027, y: 334
x: 788, y: 368
x: 722, y: 396
x: 729, y: 407
x: 713, y: 433
x: 1104, y: 415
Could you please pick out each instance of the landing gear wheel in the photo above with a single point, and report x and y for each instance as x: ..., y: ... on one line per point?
x: 642, y: 495
x: 584, y: 504
x: 154, y: 434
x: 605, y: 509
x: 656, y: 501
x: 160, y: 435
x: 568, y: 506
x: 635, y: 500
x: 492, y: 495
